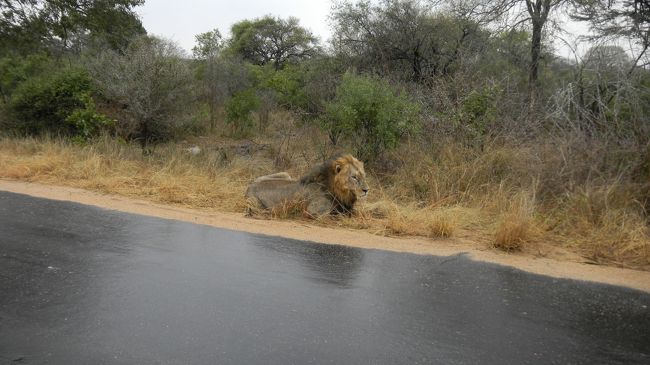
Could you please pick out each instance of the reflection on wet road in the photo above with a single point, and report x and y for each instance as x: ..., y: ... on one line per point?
x: 82, y: 285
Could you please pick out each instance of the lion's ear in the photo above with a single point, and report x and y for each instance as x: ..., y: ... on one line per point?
x: 337, y: 168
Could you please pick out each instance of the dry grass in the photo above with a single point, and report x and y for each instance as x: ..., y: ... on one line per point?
x: 441, y: 225
x: 580, y: 195
x: 499, y: 195
x: 600, y: 227
x: 169, y: 175
x: 516, y: 227
x: 290, y: 210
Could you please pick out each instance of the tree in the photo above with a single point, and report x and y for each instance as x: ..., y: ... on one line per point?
x: 603, y: 78
x: 208, y: 45
x: 28, y: 25
x: 207, y: 50
x: 539, y: 11
x: 537, y: 14
x: 611, y: 18
x: 271, y: 40
x: 403, y: 37
x: 605, y: 98
x: 612, y: 93
x: 149, y: 84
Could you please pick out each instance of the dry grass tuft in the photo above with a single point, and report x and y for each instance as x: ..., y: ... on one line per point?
x: 512, y: 233
x: 516, y: 226
x: 441, y: 225
x: 289, y: 210
x: 407, y: 220
x: 599, y: 227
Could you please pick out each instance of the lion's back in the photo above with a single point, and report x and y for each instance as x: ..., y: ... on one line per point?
x: 270, y: 193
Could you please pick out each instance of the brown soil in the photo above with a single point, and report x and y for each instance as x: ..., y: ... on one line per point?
x: 541, y: 259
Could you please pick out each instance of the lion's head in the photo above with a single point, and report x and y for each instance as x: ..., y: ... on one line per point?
x: 343, y: 177
x: 348, y: 179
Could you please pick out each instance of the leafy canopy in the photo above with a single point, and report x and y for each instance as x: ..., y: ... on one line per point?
x: 30, y: 25
x: 271, y: 40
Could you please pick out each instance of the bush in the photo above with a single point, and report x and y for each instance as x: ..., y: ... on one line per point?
x: 479, y: 110
x: 218, y: 79
x: 16, y: 70
x: 304, y: 88
x: 287, y: 84
x: 370, y: 114
x: 322, y: 76
x: 238, y: 111
x: 59, y: 104
x: 88, y: 122
x: 148, y: 86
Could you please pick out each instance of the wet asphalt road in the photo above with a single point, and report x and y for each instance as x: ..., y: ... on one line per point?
x: 82, y: 285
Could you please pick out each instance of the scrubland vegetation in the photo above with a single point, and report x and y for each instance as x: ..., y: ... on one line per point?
x: 470, y: 126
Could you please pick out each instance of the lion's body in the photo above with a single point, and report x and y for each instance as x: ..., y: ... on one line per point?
x: 280, y: 176
x: 332, y: 187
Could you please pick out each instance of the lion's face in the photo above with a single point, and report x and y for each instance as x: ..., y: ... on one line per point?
x: 350, y: 178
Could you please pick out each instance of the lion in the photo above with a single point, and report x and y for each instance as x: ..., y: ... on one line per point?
x: 332, y: 187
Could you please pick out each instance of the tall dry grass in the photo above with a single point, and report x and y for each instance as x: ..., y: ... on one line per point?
x: 516, y: 226
x: 581, y: 194
x: 169, y: 175
x: 577, y: 197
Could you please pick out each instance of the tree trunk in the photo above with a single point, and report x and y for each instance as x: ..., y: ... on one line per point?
x: 212, y: 111
x: 144, y: 137
x: 538, y: 11
x: 535, y: 55
x: 417, y: 67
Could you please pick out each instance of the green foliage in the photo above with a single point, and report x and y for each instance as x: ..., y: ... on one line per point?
x: 270, y: 40
x: 218, y: 79
x: 305, y: 88
x: 287, y: 84
x: 63, y: 25
x: 479, y: 110
x: 239, y: 109
x: 630, y: 19
x: 113, y: 23
x: 56, y: 104
x: 208, y: 45
x: 87, y: 121
x: 369, y: 113
x: 15, y: 70
x: 507, y: 54
x: 475, y: 114
x: 320, y: 78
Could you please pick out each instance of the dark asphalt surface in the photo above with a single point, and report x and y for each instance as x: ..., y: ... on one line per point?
x: 83, y: 285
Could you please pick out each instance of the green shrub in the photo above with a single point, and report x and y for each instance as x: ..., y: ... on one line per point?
x: 239, y: 109
x: 15, y: 70
x: 87, y: 121
x: 288, y: 84
x: 59, y: 104
x: 479, y: 110
x: 370, y: 114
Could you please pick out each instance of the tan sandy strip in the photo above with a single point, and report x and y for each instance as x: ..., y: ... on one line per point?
x: 301, y: 231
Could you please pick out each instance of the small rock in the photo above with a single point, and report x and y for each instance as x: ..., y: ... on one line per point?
x: 194, y: 150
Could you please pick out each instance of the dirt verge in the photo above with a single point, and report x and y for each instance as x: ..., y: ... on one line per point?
x: 560, y: 265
